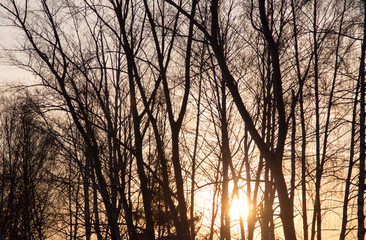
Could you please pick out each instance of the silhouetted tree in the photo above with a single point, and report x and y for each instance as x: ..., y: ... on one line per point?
x: 28, y: 154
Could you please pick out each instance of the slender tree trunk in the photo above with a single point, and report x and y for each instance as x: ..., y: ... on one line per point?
x: 317, y: 208
x: 265, y: 230
x: 361, y: 177
x: 303, y: 170
x: 252, y: 218
x: 286, y: 213
x: 74, y: 234
x: 275, y: 161
x: 87, y: 202
x: 146, y: 193
x: 182, y: 205
x: 25, y: 159
x: 214, y: 204
x: 351, y: 163
x: 194, y: 165
x: 293, y: 153
x: 226, y: 159
x: 96, y: 210
x: 303, y: 128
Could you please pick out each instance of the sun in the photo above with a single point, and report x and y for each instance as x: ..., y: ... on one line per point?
x: 239, y: 206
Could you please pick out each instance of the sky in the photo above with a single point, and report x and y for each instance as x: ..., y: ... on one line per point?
x: 10, y: 74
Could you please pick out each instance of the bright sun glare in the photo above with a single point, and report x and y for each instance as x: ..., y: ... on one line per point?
x: 239, y: 206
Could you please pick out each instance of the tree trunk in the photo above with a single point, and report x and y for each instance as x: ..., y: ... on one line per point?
x: 361, y: 177
x: 226, y: 159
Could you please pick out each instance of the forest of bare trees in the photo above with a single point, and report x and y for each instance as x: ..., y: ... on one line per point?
x: 183, y: 119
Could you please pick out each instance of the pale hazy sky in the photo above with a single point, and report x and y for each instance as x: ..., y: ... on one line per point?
x: 10, y: 74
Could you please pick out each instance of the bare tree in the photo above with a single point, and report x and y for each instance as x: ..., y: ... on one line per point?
x: 153, y: 104
x: 28, y: 155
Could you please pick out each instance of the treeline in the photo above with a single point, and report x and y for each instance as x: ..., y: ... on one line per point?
x: 151, y: 118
